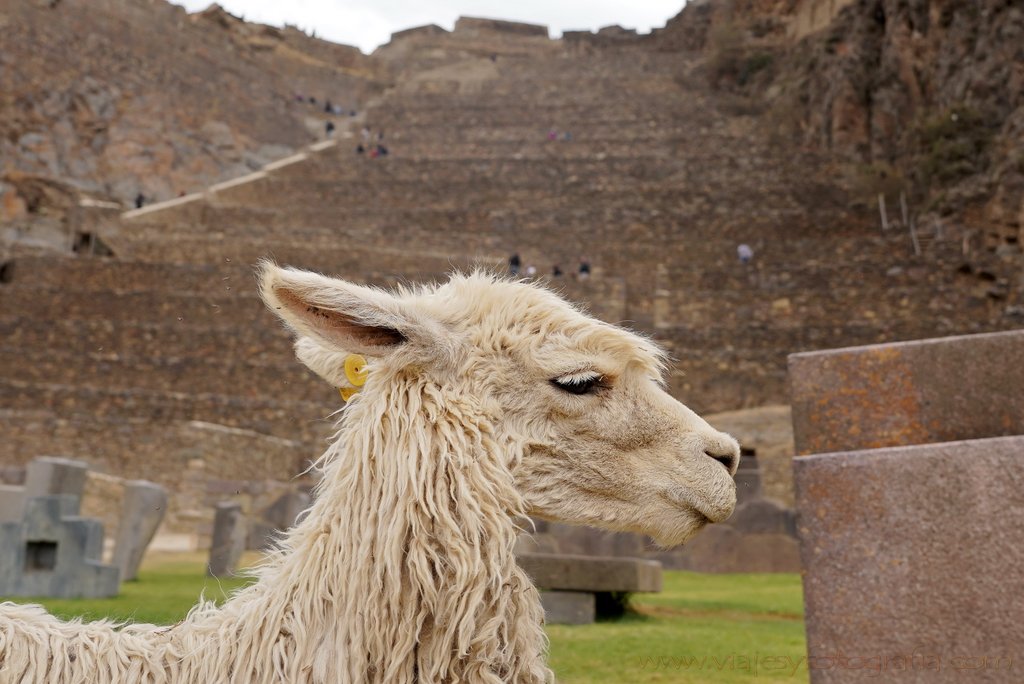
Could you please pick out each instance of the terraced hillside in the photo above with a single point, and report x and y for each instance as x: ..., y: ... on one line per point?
x: 115, y: 359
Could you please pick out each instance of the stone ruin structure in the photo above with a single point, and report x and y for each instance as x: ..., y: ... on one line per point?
x: 234, y: 532
x: 576, y: 590
x: 47, y: 548
x: 159, y: 362
x: 910, y: 491
x: 52, y: 551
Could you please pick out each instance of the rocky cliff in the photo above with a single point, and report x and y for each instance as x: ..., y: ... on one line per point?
x: 923, y: 97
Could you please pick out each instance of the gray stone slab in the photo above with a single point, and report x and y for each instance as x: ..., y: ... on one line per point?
x: 229, y: 535
x: 590, y: 541
x: 537, y: 543
x: 723, y: 549
x: 12, y: 503
x: 283, y: 513
x: 142, y: 511
x: 12, y: 557
x: 748, y: 485
x: 12, y: 475
x: 914, y: 562
x: 938, y: 390
x: 568, y: 607
x: 48, y: 475
x: 588, y: 573
x: 763, y: 516
x: 54, y: 552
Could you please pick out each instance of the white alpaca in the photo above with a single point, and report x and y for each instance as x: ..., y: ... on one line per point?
x: 487, y: 401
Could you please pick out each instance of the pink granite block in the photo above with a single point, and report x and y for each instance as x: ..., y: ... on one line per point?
x: 913, y: 562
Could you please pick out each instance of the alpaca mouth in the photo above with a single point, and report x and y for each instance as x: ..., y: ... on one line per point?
x: 705, y: 511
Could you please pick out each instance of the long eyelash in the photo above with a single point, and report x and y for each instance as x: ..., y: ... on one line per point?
x: 578, y: 377
x: 578, y: 383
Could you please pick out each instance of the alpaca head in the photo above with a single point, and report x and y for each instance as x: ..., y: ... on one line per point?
x: 592, y: 436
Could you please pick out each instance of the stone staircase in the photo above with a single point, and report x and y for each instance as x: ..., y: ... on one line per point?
x: 656, y: 187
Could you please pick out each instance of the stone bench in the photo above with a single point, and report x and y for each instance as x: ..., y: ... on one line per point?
x: 576, y: 589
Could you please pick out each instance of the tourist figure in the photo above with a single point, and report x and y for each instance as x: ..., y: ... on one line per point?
x: 329, y: 128
x: 531, y: 271
x: 745, y: 253
x: 584, y: 268
x: 328, y: 107
x: 382, y: 151
x: 140, y: 199
x: 360, y: 149
x: 552, y: 134
x: 514, y: 262
x: 556, y: 271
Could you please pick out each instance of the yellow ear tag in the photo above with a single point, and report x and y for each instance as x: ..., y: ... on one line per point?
x: 355, y: 370
x: 355, y: 373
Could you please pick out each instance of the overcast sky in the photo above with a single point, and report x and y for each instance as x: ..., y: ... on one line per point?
x: 369, y: 23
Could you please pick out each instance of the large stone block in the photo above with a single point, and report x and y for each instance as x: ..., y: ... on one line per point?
x: 229, y: 535
x: 568, y: 607
x: 480, y: 24
x: 586, y: 573
x: 142, y: 510
x: 590, y: 541
x: 763, y: 516
x: 54, y: 552
x: 266, y: 526
x: 12, y: 503
x: 52, y: 475
x: 914, y: 562
x: 725, y: 549
x: 748, y: 480
x: 937, y: 390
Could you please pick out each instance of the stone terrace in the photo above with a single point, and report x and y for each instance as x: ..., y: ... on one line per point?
x: 657, y: 186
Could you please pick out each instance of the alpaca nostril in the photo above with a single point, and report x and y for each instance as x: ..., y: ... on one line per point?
x: 726, y: 459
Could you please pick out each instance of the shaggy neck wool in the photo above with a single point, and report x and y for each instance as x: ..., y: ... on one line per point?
x: 402, y: 571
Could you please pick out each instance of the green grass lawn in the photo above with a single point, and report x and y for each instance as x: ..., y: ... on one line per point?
x: 168, y: 586
x: 701, y: 628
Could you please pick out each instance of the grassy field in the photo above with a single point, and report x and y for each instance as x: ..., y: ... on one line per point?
x: 701, y: 628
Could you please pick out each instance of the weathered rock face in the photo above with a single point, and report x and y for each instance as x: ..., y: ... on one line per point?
x: 125, y: 97
x: 874, y: 77
x: 926, y: 96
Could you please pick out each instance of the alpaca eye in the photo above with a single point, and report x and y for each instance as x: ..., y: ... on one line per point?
x: 577, y: 384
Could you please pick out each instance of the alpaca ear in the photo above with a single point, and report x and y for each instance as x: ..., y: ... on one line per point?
x: 339, y: 316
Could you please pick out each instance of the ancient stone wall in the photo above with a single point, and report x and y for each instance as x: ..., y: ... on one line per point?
x: 477, y: 25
